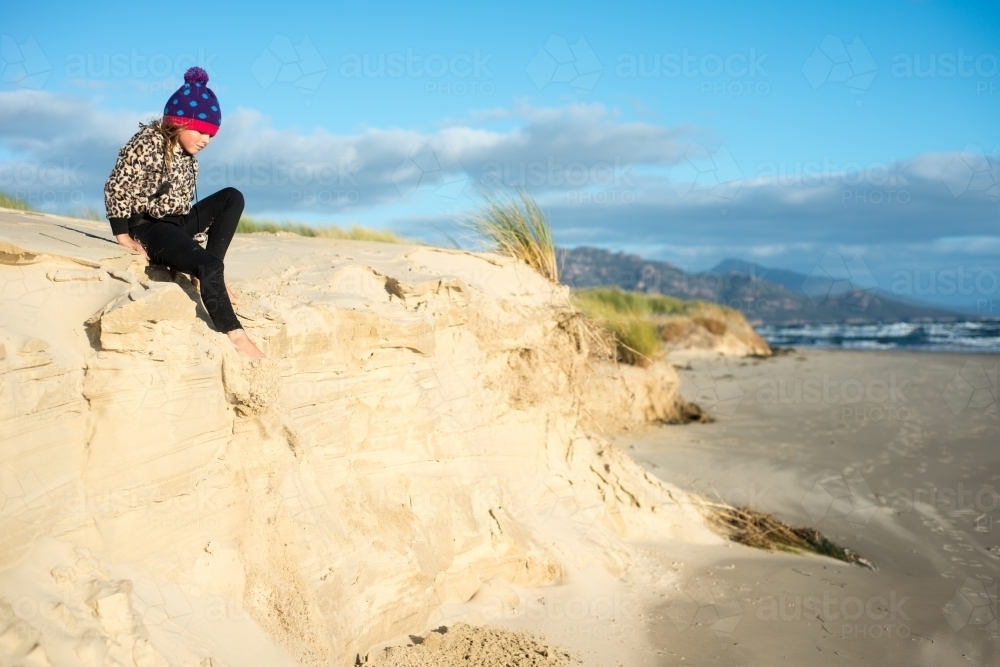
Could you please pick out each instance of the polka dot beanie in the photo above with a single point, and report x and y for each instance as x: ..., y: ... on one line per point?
x: 194, y: 106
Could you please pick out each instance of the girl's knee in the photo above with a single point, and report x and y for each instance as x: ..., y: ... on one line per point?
x: 234, y: 196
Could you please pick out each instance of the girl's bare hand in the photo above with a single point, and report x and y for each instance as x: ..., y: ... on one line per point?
x: 128, y: 242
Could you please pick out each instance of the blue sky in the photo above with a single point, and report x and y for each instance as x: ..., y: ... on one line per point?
x: 690, y: 132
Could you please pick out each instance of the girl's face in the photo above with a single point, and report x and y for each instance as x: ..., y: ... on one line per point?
x: 193, y: 141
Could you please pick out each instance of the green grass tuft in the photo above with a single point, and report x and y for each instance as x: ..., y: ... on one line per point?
x: 614, y: 302
x: 6, y: 201
x: 516, y: 227
x: 354, y: 233
x: 631, y: 318
x: 638, y: 340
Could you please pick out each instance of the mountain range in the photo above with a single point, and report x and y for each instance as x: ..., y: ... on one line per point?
x: 836, y: 291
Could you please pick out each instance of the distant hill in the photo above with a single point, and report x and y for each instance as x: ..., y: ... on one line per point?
x: 771, y: 296
x: 790, y: 280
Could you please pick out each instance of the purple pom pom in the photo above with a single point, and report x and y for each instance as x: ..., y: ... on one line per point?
x: 196, y: 75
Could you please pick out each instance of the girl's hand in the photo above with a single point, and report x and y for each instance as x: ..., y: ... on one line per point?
x: 133, y: 245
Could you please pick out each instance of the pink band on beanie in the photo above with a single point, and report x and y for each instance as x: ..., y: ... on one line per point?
x: 192, y: 124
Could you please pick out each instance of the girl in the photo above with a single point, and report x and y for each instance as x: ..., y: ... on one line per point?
x: 148, y: 198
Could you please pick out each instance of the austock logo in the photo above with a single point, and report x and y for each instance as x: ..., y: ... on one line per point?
x: 836, y: 279
x: 710, y: 604
x: 20, y: 495
x: 553, y: 498
x: 732, y: 74
x: 458, y: 74
x: 438, y: 395
x: 23, y: 65
x: 281, y: 61
x: 560, y: 62
x: 706, y: 171
x: 846, y: 496
x: 836, y: 62
x: 974, y: 387
x: 163, y: 606
x: 975, y: 603
x: 973, y: 170
x: 874, y: 617
x: 435, y: 169
x: 27, y: 289
x: 714, y: 388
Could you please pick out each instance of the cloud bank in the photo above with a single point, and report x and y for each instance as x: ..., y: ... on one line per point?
x: 672, y: 192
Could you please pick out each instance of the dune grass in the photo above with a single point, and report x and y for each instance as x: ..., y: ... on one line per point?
x: 636, y: 320
x: 353, y: 233
x: 84, y: 213
x: 515, y: 226
x: 88, y: 213
x: 642, y: 323
x: 609, y: 301
x: 6, y: 201
x: 251, y: 226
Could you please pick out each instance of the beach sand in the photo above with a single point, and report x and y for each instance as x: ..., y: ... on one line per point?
x: 419, y: 439
x: 907, y: 478
x: 431, y: 442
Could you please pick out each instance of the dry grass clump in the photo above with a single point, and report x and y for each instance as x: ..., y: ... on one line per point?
x: 762, y: 530
x: 681, y: 327
x: 590, y: 337
x: 705, y: 321
x: 354, y: 233
x: 675, y: 330
x: 714, y: 327
x: 516, y: 227
x: 727, y: 320
x: 6, y: 201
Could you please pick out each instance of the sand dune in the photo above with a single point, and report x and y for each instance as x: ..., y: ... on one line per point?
x: 423, y: 426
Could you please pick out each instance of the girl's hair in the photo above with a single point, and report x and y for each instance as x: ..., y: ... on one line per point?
x: 171, y: 134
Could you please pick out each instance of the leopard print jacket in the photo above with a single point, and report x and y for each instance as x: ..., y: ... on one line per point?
x: 137, y: 183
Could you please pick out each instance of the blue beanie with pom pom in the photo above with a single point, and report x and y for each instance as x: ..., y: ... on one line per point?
x: 194, y: 106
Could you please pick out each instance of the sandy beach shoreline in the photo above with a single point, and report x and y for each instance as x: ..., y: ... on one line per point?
x: 906, y: 475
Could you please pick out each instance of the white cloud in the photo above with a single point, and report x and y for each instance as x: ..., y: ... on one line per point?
x: 603, y: 180
x: 318, y: 171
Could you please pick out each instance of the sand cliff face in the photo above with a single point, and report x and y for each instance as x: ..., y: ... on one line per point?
x: 424, y: 424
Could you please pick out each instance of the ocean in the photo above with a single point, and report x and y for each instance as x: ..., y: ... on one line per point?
x: 971, y: 336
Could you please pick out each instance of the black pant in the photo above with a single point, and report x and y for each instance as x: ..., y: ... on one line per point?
x: 168, y: 241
